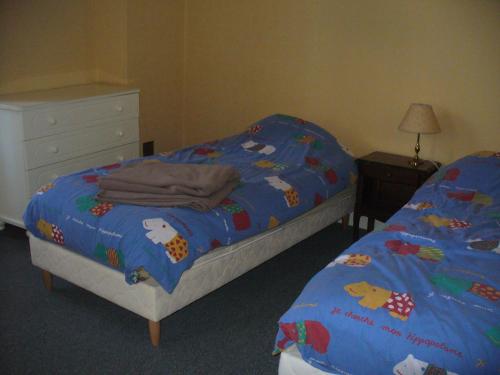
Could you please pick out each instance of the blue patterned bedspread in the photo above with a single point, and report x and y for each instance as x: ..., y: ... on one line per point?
x: 287, y: 167
x: 419, y: 296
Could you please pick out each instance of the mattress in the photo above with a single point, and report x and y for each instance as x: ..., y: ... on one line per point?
x: 419, y: 296
x: 149, y: 300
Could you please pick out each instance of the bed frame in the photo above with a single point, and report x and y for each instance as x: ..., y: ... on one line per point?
x: 149, y: 300
x: 292, y: 363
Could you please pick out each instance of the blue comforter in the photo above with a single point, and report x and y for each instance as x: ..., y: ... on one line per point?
x: 287, y: 166
x: 421, y: 295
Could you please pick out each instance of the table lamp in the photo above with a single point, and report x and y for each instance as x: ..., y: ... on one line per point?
x: 419, y: 118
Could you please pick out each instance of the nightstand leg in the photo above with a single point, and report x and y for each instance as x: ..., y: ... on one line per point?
x: 355, y: 226
x: 345, y: 222
x: 371, y: 224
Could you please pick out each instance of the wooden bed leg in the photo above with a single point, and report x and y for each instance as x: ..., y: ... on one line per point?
x: 154, y: 333
x: 47, y: 280
x: 345, y: 222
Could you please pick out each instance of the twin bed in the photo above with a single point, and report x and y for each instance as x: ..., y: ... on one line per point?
x: 418, y: 297
x: 295, y: 180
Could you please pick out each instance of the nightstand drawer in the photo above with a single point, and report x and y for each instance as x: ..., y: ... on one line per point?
x: 390, y: 197
x: 390, y: 174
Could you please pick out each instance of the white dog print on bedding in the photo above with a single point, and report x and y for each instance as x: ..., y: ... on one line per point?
x: 258, y: 147
x: 291, y: 195
x: 161, y: 232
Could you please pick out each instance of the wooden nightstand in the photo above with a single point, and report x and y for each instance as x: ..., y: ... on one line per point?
x: 386, y: 183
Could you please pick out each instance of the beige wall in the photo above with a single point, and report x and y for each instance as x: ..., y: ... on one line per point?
x: 108, y: 38
x: 44, y: 44
x: 207, y: 69
x: 155, y: 52
x: 352, y: 66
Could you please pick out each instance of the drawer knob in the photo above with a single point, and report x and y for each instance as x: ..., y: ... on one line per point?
x: 119, y: 133
x: 51, y: 120
x: 120, y: 158
x: 119, y: 108
x: 389, y: 174
x: 54, y: 149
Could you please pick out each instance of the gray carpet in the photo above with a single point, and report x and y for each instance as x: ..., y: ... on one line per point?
x: 71, y: 331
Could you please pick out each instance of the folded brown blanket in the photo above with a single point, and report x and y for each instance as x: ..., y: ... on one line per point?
x: 198, y: 186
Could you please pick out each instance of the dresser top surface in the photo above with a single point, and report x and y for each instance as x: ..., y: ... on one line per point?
x: 26, y: 100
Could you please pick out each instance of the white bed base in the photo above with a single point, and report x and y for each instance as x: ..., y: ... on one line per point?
x: 149, y: 300
x: 291, y: 363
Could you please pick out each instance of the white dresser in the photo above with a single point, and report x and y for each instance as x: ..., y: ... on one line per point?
x: 46, y: 134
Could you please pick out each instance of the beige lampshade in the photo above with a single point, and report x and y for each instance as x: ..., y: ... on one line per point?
x: 420, y: 118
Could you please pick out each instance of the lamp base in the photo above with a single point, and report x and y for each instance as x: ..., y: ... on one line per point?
x: 415, y: 162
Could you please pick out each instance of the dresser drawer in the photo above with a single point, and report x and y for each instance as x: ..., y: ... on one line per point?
x: 41, y: 176
x: 389, y: 173
x: 56, y: 148
x: 69, y: 116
